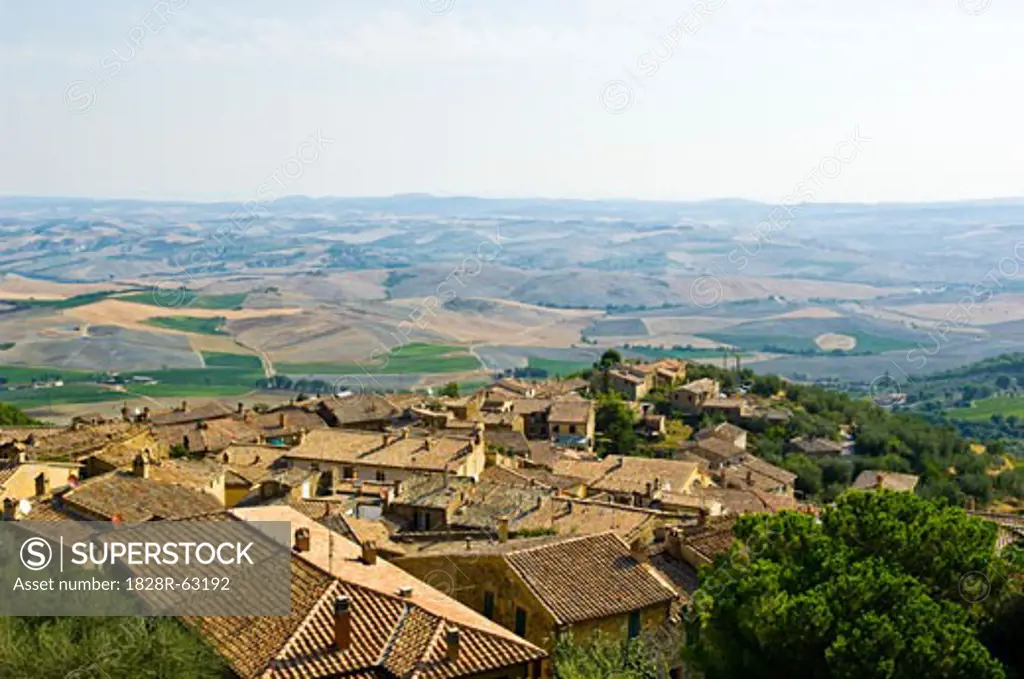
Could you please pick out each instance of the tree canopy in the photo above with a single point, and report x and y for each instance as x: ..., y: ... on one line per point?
x: 12, y: 416
x: 118, y: 648
x: 886, y: 585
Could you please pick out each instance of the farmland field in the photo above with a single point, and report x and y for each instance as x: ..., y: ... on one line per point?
x: 555, y: 367
x: 187, y: 299
x: 216, y: 359
x: 201, y: 326
x: 791, y: 344
x: 69, y: 303
x: 412, y: 358
x: 984, y: 409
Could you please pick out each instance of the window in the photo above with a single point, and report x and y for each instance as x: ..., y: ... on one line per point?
x: 348, y: 473
x: 381, y: 476
x: 520, y: 622
x: 489, y: 605
x: 572, y: 428
x: 634, y: 624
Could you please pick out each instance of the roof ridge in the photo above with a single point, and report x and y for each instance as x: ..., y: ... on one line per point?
x: 395, y: 634
x: 553, y: 543
x: 434, y: 640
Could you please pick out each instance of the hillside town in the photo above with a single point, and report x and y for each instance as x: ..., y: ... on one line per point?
x: 446, y: 536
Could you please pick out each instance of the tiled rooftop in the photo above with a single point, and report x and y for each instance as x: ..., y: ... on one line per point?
x: 869, y: 479
x: 588, y: 578
x: 391, y: 636
x: 138, y: 499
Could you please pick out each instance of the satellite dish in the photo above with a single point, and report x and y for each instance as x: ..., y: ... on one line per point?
x: 25, y: 507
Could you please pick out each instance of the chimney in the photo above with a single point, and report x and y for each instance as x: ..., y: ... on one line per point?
x: 9, y: 509
x: 22, y: 457
x: 142, y: 466
x: 370, y: 552
x: 281, y: 420
x: 184, y: 406
x: 502, y: 529
x: 145, y: 414
x: 126, y: 414
x: 750, y: 478
x: 302, y: 540
x: 469, y: 543
x: 446, y: 482
x: 405, y: 433
x: 385, y: 440
x: 405, y: 592
x: 426, y: 444
x: 702, y: 516
x: 226, y: 457
x: 879, y: 481
x: 342, y: 623
x: 650, y: 489
x: 451, y: 640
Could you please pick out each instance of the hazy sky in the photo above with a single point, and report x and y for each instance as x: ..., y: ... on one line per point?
x: 510, y: 97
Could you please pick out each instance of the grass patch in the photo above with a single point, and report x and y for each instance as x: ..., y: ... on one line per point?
x: 985, y: 408
x: 554, y: 367
x: 216, y: 359
x: 188, y: 299
x: 194, y: 324
x: 410, y: 359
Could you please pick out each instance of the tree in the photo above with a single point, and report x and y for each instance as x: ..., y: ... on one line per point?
x: 616, y: 421
x: 119, y: 648
x: 603, y: 658
x: 609, y: 358
x: 450, y: 390
x: 10, y: 415
x: 875, y: 589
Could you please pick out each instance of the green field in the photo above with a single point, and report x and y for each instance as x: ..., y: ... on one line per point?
x: 984, y: 409
x: 70, y: 393
x: 187, y: 298
x: 69, y: 303
x: 412, y: 358
x: 216, y: 359
x: 201, y: 326
x: 790, y: 344
x: 655, y: 353
x: 16, y: 374
x: 555, y: 367
x: 225, y: 375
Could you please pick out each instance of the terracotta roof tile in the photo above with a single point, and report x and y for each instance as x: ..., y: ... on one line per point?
x: 588, y: 578
x: 391, y: 636
x: 138, y: 499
